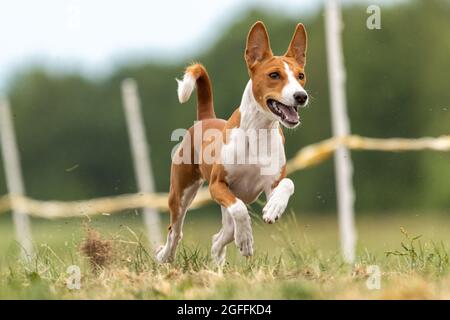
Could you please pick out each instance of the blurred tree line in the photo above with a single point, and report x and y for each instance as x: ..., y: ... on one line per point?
x: 73, y: 140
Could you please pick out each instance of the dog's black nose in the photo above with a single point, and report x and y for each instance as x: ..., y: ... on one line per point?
x: 301, y: 97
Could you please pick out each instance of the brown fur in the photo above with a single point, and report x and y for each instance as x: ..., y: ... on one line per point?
x: 205, y: 107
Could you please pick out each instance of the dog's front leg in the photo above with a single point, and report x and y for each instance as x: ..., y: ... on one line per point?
x: 277, y: 200
x: 237, y: 209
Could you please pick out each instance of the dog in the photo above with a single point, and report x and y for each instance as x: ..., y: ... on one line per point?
x: 271, y: 99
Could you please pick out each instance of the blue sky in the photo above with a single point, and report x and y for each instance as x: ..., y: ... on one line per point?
x: 93, y: 36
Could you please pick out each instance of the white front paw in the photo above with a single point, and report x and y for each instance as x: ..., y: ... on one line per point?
x: 243, y: 230
x: 274, y: 208
x: 244, y: 238
x: 278, y: 201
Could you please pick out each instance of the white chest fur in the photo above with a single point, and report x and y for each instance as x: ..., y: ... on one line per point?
x: 254, y: 155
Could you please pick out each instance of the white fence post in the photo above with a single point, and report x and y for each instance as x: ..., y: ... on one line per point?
x: 341, y: 127
x: 14, y: 180
x: 141, y: 159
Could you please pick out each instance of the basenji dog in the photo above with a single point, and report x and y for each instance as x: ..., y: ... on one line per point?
x: 273, y: 96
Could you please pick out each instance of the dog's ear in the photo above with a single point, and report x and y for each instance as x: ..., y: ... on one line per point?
x: 258, y: 46
x: 297, y: 48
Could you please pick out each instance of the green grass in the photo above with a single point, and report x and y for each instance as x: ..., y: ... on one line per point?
x: 296, y: 258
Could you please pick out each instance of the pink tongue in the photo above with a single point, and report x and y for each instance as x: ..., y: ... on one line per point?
x: 289, y: 114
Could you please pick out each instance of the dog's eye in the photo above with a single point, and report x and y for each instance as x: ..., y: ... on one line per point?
x: 301, y: 76
x: 274, y: 75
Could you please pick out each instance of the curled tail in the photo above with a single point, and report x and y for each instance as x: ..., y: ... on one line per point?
x: 196, y: 75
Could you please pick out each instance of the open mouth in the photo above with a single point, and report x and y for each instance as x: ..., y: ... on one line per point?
x: 288, y: 114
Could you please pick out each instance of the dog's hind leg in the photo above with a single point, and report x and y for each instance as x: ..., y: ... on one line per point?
x: 222, y: 238
x: 180, y: 197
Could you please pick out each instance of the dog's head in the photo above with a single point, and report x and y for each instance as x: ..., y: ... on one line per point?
x: 278, y: 81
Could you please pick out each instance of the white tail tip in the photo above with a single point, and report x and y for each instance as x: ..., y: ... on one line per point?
x: 185, y: 87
